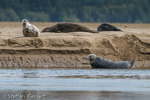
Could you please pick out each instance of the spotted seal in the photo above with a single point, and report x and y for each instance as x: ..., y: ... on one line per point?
x: 99, y: 62
x: 107, y: 27
x: 29, y: 30
x: 67, y: 27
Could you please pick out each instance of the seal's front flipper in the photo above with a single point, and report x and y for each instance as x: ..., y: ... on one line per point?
x: 133, y: 61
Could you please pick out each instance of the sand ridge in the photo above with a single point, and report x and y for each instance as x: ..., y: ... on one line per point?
x: 67, y: 50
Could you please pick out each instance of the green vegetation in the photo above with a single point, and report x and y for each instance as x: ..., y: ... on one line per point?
x: 129, y: 11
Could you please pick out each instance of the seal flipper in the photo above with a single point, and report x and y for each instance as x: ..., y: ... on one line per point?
x: 132, y: 61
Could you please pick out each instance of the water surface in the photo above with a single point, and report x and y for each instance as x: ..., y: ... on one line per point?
x: 74, y: 84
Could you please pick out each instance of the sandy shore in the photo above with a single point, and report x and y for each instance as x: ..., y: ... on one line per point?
x: 66, y: 50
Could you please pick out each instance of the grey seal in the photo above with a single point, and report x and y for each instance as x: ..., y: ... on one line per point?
x: 107, y: 27
x: 68, y: 27
x: 99, y: 62
x: 29, y: 30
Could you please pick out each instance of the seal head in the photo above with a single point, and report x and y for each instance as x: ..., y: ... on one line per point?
x: 25, y: 23
x: 91, y: 58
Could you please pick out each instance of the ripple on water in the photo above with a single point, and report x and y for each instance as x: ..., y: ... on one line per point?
x: 75, y: 79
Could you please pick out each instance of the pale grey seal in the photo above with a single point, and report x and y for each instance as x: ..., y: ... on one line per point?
x: 107, y: 27
x: 68, y: 27
x: 99, y: 62
x: 29, y: 30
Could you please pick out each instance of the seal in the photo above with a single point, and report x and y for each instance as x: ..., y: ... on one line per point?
x: 29, y: 30
x: 107, y: 27
x: 67, y: 27
x: 99, y: 62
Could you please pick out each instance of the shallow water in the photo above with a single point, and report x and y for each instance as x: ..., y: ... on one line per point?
x: 74, y: 84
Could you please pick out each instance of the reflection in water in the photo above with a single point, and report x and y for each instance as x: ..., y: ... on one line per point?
x: 74, y: 84
x: 72, y: 95
x: 107, y: 76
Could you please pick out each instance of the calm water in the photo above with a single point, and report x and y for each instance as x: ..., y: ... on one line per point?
x: 74, y: 84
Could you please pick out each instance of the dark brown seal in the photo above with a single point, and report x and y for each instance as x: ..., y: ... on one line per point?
x: 107, y: 27
x: 67, y: 27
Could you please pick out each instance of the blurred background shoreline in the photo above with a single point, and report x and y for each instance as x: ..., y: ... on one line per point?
x: 116, y: 11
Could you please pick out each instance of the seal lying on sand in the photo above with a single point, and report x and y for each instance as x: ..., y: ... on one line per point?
x: 98, y: 62
x: 29, y: 30
x: 68, y: 27
x: 107, y: 27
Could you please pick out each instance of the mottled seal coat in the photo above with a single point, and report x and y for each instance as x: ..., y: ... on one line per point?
x: 29, y: 30
x: 98, y: 62
x: 68, y: 27
x: 107, y: 27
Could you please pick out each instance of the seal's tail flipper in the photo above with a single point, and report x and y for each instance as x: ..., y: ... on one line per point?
x: 132, y: 61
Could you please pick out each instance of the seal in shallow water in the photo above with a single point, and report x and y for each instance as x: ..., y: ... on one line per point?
x: 107, y: 27
x: 68, y: 27
x: 98, y: 62
x: 29, y: 30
